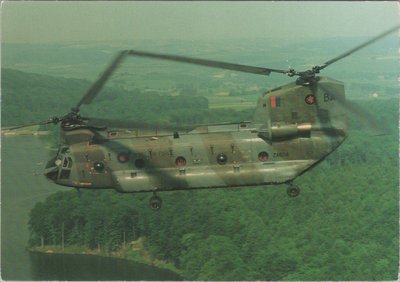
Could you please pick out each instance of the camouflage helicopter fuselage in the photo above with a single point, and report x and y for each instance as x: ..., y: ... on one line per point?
x: 294, y: 127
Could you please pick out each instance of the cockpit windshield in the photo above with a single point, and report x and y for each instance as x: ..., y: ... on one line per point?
x: 61, y: 161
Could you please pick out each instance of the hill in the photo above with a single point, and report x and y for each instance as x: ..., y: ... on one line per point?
x: 29, y: 97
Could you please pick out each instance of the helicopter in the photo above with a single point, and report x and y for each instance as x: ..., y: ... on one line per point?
x: 294, y: 127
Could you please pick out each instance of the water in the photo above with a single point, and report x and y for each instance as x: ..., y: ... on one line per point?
x: 22, y: 185
x: 85, y: 267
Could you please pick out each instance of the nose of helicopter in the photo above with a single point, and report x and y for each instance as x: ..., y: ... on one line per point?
x: 51, y: 169
x: 52, y: 174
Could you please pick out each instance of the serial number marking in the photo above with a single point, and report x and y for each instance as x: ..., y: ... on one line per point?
x: 328, y: 98
x: 280, y: 154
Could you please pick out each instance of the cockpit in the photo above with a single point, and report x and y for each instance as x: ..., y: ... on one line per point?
x: 59, y: 167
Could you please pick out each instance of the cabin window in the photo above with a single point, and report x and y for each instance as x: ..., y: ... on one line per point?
x: 222, y: 158
x: 98, y: 166
x: 263, y: 156
x: 180, y: 161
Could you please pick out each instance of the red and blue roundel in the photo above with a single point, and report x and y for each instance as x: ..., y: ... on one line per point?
x: 123, y: 157
x: 310, y: 99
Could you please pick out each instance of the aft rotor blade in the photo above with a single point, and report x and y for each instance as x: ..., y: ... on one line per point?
x: 366, y: 118
x: 98, y: 85
x: 21, y: 126
x: 207, y: 63
x: 376, y: 38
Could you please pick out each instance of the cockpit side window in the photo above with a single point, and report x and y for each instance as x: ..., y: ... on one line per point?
x: 69, y: 162
x: 64, y: 150
x: 65, y: 162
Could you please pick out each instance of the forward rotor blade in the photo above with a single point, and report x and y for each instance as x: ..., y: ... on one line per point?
x: 207, y: 63
x: 137, y: 125
x: 376, y: 38
x: 98, y: 85
x: 21, y: 126
x: 28, y: 125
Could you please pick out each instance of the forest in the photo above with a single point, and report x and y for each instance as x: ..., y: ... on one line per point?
x: 343, y: 226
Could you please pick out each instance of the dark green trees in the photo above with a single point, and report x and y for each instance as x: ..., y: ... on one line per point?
x: 343, y: 226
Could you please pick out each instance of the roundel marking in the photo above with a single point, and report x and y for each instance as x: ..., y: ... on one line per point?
x: 310, y: 99
x: 123, y: 157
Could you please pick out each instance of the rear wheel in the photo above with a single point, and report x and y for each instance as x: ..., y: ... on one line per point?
x: 155, y: 202
x: 293, y: 190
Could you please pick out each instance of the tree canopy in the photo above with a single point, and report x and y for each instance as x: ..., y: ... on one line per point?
x: 343, y: 226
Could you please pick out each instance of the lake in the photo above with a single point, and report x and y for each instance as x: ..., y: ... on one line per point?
x: 22, y: 186
x: 86, y: 267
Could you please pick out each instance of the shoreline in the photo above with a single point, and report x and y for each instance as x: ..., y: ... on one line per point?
x: 131, y: 252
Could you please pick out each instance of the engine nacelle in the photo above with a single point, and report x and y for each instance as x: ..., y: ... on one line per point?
x: 289, y: 131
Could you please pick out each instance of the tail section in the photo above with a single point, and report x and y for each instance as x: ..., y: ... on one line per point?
x: 295, y: 110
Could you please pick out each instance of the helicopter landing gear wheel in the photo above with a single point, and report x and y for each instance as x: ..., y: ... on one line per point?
x: 155, y: 202
x: 293, y: 190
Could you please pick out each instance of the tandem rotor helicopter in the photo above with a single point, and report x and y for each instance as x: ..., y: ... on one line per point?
x: 294, y: 127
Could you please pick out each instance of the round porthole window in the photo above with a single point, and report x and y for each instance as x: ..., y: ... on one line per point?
x: 263, y: 156
x: 98, y: 166
x: 123, y: 157
x: 180, y: 161
x: 140, y: 163
x: 222, y: 158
